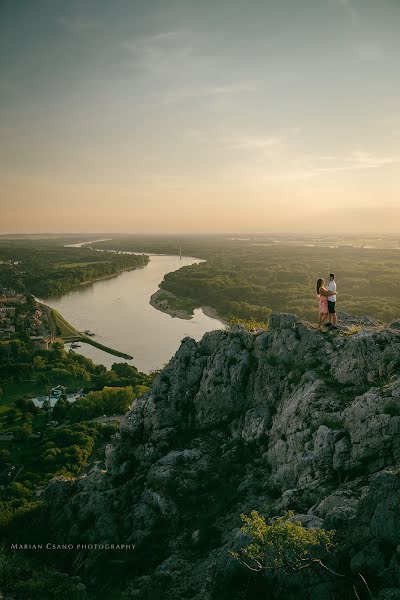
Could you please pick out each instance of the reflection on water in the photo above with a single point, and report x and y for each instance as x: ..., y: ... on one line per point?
x: 118, y: 311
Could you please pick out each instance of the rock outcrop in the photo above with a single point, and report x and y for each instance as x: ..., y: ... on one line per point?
x: 291, y: 418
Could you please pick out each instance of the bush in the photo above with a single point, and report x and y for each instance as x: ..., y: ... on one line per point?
x: 281, y: 544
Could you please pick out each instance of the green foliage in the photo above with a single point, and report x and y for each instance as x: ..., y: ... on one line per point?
x: 60, y: 451
x: 5, y: 456
x: 49, y: 269
x: 109, y: 401
x: 353, y: 330
x: 20, y: 579
x: 19, y: 364
x: 61, y: 410
x: 65, y: 450
x: 23, y: 432
x: 248, y: 324
x: 251, y: 278
x: 282, y: 544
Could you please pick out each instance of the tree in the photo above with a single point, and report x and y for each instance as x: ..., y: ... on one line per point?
x: 26, y: 405
x: 286, y: 544
x: 12, y: 416
x: 23, y: 432
x: 61, y: 409
x: 39, y: 362
x: 5, y: 456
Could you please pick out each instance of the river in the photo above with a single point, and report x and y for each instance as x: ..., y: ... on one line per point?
x: 118, y: 311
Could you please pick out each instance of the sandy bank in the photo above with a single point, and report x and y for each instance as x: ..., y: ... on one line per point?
x: 162, y: 300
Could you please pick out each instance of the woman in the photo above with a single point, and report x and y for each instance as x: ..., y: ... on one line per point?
x: 323, y: 294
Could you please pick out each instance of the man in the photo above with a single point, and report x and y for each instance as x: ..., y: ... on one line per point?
x: 332, y: 301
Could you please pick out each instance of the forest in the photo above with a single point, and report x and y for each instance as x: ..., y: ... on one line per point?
x: 46, y: 268
x: 64, y: 441
x: 249, y: 277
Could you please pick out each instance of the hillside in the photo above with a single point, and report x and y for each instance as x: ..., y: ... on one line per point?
x: 290, y: 418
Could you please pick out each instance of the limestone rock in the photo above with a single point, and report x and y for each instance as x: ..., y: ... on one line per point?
x: 289, y: 419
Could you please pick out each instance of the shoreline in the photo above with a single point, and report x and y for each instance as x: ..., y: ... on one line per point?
x: 155, y: 302
x: 108, y: 276
x: 71, y: 334
x: 180, y: 313
x: 212, y: 312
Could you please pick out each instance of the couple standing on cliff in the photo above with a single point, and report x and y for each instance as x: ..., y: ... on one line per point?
x: 327, y: 302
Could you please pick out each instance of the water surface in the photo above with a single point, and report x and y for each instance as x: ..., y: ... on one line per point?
x: 118, y: 311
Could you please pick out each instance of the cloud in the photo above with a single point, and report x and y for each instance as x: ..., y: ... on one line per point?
x: 257, y: 148
x: 290, y: 167
x: 368, y: 51
x: 190, y: 92
x: 351, y: 12
x: 182, y: 62
x: 357, y: 160
x: 151, y: 43
x: 255, y: 143
x: 77, y: 24
x: 263, y: 142
x: 158, y: 51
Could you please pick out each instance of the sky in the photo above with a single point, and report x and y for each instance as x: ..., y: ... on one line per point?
x: 204, y: 116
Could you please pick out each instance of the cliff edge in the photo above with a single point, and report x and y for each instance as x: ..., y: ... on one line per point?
x: 290, y: 418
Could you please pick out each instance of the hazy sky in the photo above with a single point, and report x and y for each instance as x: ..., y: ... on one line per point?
x: 200, y: 115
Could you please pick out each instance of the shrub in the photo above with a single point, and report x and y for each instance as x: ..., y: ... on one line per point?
x: 248, y: 324
x: 282, y: 544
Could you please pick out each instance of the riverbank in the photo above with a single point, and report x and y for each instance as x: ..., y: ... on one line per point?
x: 119, y: 311
x: 103, y: 277
x: 212, y: 312
x: 167, y: 302
x: 65, y: 332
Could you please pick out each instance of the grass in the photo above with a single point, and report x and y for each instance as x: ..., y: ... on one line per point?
x: 353, y: 330
x: 248, y: 324
x: 181, y: 304
x: 15, y: 390
x: 68, y: 333
x: 65, y: 330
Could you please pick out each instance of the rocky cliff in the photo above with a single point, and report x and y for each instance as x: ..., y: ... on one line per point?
x: 290, y: 418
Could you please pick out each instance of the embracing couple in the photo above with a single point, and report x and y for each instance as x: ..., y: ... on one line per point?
x: 327, y: 302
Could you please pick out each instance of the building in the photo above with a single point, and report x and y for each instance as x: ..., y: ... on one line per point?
x: 7, y: 332
x: 42, y: 343
x: 10, y: 296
